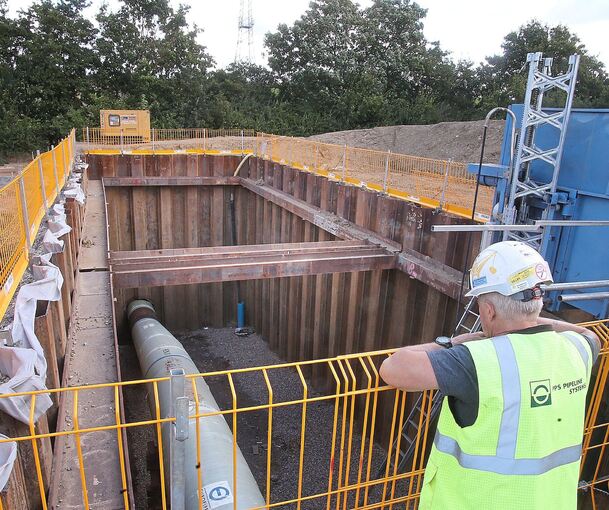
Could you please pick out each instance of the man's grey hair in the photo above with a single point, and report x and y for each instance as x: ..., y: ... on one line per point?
x: 506, y: 307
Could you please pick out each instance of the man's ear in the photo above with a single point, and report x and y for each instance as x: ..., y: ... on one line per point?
x: 487, y: 308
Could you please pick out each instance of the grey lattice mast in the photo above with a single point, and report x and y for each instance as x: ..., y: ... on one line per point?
x: 245, y: 31
x: 525, y: 188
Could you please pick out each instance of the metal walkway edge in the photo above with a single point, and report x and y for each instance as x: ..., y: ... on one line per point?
x: 90, y: 359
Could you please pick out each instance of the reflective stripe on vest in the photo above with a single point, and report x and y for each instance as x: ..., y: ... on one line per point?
x: 504, y: 462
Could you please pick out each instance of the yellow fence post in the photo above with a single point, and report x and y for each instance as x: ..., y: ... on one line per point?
x: 26, y: 221
x: 386, y: 179
x: 66, y: 168
x: 42, y: 186
x: 55, y: 169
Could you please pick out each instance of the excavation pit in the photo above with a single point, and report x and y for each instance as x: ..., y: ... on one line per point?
x: 323, y: 269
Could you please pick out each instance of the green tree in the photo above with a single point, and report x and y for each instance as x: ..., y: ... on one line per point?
x: 503, y: 77
x: 53, y: 62
x: 150, y: 58
x: 48, y: 50
x: 347, y: 67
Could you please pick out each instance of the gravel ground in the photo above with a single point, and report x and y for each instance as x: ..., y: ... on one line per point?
x: 221, y: 349
x: 138, y: 438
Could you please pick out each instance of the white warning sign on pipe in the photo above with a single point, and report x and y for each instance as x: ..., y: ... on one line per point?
x: 218, y: 494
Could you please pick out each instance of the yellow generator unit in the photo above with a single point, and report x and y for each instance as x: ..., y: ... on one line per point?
x: 133, y: 125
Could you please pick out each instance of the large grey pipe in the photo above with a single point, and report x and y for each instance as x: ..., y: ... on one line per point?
x: 159, y: 353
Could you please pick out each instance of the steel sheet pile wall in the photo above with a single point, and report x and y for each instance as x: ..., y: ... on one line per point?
x: 301, y: 317
x: 147, y: 218
x: 313, y: 317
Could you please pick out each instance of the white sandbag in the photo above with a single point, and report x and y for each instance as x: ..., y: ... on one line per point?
x: 8, y: 454
x: 25, y: 365
x: 73, y: 190
x: 19, y: 365
x: 56, y: 227
x: 47, y: 287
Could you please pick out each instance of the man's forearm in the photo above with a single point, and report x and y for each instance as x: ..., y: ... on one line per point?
x: 561, y: 326
x: 432, y: 346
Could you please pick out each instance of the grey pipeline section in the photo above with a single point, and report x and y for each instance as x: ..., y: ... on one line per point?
x: 160, y: 354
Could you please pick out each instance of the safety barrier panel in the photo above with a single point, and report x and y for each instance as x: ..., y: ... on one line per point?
x: 159, y: 139
x: 440, y: 184
x: 435, y: 183
x: 23, y: 204
x: 341, y: 423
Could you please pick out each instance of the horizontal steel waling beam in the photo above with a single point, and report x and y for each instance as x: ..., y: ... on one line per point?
x: 421, y: 267
x: 325, y: 220
x: 172, y: 181
x: 429, y: 271
x: 239, y: 263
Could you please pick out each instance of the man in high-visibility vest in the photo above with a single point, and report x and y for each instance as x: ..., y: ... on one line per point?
x: 510, y: 431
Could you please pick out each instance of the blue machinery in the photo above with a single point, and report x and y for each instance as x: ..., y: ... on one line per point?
x: 574, y: 253
x: 562, y: 174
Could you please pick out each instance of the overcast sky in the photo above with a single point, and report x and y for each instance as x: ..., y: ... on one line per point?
x: 471, y: 29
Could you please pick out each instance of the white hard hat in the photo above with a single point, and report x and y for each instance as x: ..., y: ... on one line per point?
x: 509, y: 268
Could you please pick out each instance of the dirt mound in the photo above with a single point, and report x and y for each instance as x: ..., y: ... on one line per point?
x: 459, y: 141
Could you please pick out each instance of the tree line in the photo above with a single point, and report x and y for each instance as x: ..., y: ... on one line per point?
x: 339, y: 66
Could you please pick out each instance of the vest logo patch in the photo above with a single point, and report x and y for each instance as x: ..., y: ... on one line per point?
x: 541, y: 393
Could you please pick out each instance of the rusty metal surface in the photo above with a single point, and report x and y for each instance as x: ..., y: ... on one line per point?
x: 252, y: 263
x: 171, y: 181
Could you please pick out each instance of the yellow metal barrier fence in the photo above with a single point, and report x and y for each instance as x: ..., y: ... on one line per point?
x: 169, y: 139
x: 434, y: 183
x: 23, y: 204
x: 343, y: 422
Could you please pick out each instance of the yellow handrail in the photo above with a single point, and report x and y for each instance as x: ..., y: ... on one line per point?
x: 352, y: 390
x: 23, y: 204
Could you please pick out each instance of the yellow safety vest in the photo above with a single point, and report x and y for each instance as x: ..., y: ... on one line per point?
x: 523, y: 452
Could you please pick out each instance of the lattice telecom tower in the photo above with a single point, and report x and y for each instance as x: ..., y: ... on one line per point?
x: 245, y: 30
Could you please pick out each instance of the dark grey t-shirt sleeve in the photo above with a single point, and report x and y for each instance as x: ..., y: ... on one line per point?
x: 456, y: 375
x: 595, y: 346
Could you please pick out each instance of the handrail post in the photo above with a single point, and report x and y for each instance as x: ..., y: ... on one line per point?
x: 386, y: 179
x: 67, y: 167
x: 242, y: 143
x: 88, y: 139
x: 55, y: 169
x: 122, y: 141
x: 42, y: 188
x: 24, y: 214
x: 178, y: 435
x: 445, y: 184
x: 204, y: 139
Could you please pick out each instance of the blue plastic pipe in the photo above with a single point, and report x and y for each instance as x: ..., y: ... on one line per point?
x: 240, y: 315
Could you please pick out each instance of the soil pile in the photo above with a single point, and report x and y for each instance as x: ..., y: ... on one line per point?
x: 459, y: 141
